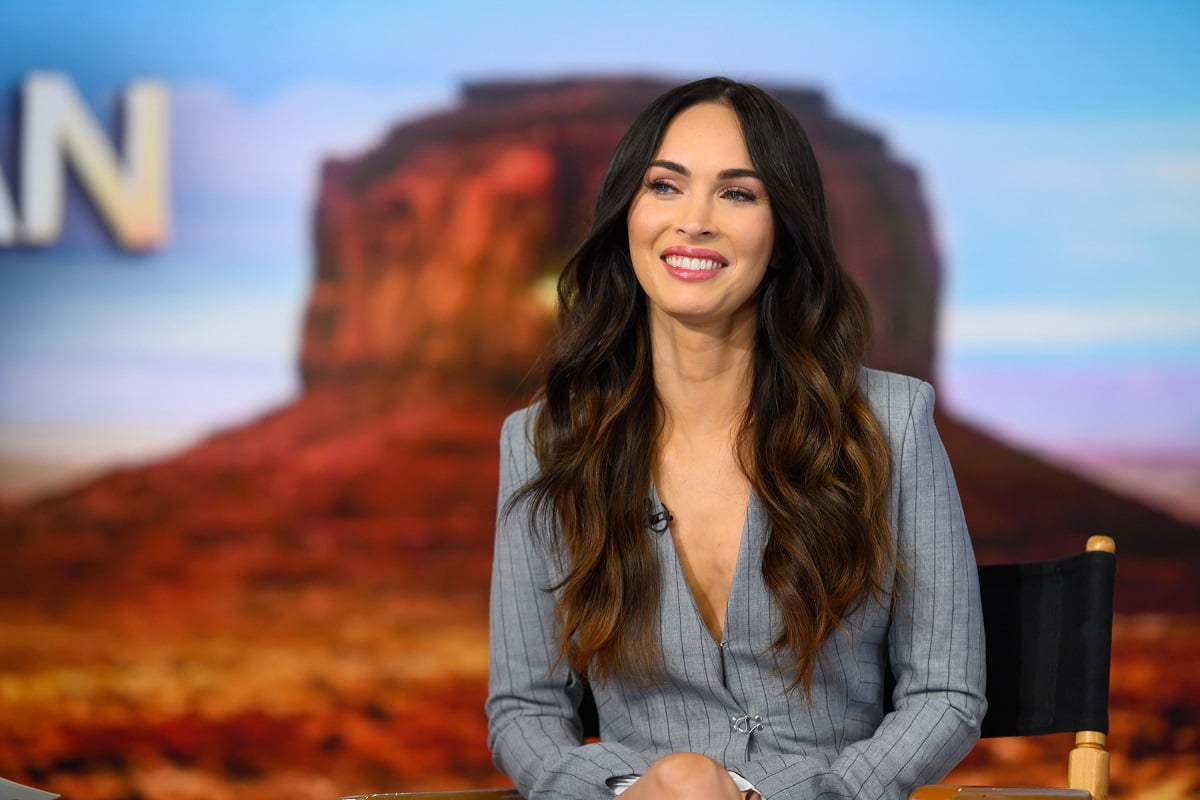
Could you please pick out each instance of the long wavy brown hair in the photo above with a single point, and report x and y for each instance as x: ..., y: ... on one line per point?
x: 808, y: 443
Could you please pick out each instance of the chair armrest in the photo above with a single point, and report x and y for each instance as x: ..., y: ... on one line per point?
x: 943, y: 791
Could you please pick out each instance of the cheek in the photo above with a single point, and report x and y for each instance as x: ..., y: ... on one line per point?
x: 767, y: 239
x: 756, y: 237
x: 639, y: 238
x: 646, y: 223
x: 638, y: 233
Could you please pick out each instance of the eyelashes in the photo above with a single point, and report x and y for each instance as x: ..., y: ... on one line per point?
x: 659, y: 186
x: 740, y: 195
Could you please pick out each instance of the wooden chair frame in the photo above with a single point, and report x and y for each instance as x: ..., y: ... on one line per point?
x: 1088, y: 761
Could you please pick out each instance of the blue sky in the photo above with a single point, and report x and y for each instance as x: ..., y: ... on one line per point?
x: 1059, y: 145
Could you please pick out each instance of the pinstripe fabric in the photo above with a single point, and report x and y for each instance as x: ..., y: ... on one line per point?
x: 840, y: 745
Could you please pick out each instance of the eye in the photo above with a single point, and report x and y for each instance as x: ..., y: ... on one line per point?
x: 739, y: 195
x: 660, y: 186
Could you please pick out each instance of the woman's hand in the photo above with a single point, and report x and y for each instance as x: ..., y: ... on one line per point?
x: 686, y: 776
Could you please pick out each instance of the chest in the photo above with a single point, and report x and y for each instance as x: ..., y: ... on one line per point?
x: 708, y: 500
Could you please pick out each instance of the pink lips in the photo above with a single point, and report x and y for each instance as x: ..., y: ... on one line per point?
x: 686, y: 274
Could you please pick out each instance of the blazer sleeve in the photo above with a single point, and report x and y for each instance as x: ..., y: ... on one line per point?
x: 935, y: 641
x: 534, y: 731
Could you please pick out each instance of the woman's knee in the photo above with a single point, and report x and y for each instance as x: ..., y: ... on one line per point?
x: 690, y: 775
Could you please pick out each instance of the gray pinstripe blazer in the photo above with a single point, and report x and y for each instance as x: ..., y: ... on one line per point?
x: 840, y: 745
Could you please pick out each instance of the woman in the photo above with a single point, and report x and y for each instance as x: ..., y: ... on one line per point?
x: 709, y: 362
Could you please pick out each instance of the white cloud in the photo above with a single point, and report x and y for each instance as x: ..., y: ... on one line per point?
x: 1131, y: 189
x: 1168, y: 171
x: 1038, y: 327
x: 1072, y: 409
x: 1103, y: 250
x: 236, y: 147
x: 1063, y: 212
x: 997, y: 158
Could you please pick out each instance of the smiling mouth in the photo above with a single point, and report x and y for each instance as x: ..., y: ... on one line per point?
x: 693, y: 264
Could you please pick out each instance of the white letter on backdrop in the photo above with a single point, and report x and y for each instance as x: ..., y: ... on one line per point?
x: 132, y: 198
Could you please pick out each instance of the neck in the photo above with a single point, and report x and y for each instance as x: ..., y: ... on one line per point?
x: 703, y: 375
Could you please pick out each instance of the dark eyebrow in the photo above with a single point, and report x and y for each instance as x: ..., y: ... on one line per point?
x: 725, y: 174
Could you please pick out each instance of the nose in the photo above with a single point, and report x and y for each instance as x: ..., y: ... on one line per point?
x: 697, y: 219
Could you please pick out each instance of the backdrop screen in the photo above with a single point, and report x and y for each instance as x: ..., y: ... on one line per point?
x: 271, y: 278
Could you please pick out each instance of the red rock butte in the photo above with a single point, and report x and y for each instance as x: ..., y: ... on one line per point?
x: 435, y: 249
x: 435, y: 252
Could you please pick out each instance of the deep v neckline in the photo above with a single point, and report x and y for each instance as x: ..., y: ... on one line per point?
x: 739, y: 567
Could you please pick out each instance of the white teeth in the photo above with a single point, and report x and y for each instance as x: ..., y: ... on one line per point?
x: 684, y: 262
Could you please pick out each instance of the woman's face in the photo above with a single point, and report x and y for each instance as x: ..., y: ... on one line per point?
x: 700, y: 227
